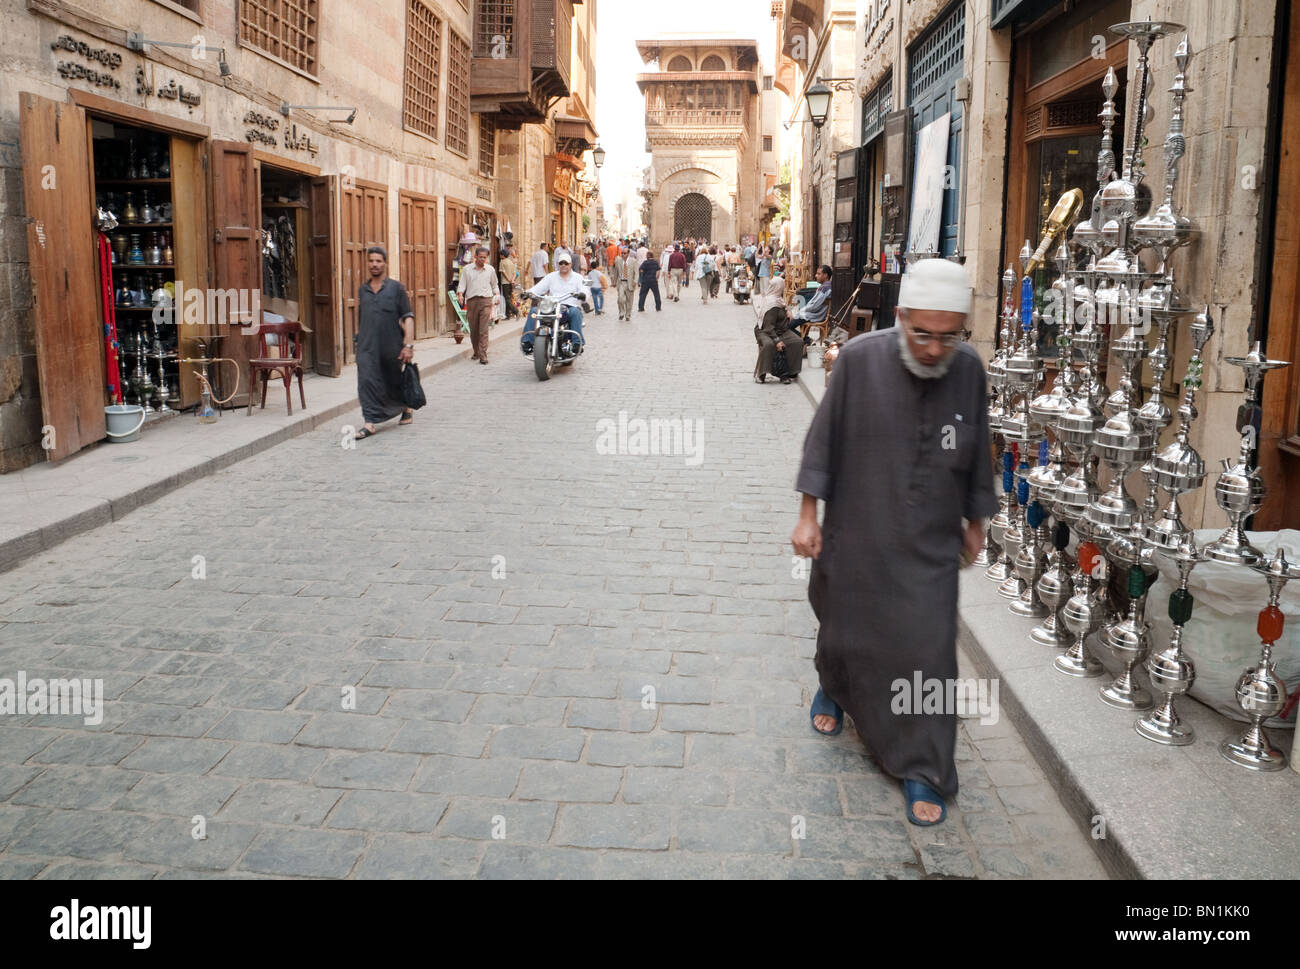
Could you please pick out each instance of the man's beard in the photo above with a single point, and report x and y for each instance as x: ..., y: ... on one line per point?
x: 918, y: 369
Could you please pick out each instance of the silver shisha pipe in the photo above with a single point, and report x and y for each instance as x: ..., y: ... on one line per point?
x: 1178, y: 466
x: 1001, y: 567
x: 1163, y: 230
x: 1083, y: 612
x: 1260, y: 691
x: 1240, y: 489
x: 1171, y: 670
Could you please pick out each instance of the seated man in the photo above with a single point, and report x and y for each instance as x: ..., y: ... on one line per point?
x: 817, y: 308
x: 774, y: 337
x: 565, y: 287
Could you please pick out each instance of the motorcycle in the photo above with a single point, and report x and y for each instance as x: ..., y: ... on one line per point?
x: 554, y: 344
x: 741, y: 287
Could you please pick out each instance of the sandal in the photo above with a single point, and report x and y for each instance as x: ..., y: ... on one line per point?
x: 407, y: 418
x: 362, y: 434
x: 921, y: 791
x: 823, y: 705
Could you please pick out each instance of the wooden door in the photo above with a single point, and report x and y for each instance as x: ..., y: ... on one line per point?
x: 364, y: 223
x: 190, y: 237
x: 236, y: 257
x: 63, y: 258
x: 327, y: 334
x: 418, y: 239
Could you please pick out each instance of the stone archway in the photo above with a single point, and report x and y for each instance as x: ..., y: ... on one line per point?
x: 693, y: 217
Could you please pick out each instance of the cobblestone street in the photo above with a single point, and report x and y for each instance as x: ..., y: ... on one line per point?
x: 482, y: 646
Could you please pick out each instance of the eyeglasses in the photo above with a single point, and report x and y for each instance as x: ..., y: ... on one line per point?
x: 948, y: 340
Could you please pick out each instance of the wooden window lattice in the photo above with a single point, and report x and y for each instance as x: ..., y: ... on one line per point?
x: 1072, y: 114
x: 487, y: 146
x: 286, y: 29
x: 423, y: 65
x: 494, y: 28
x: 457, y: 94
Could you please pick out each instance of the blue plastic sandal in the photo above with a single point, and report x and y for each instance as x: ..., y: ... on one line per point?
x: 823, y: 705
x: 921, y: 791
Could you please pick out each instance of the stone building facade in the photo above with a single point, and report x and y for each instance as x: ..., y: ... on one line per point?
x: 704, y: 132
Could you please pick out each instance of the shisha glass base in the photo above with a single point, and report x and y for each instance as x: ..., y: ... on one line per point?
x: 1129, y: 641
x: 1082, y: 615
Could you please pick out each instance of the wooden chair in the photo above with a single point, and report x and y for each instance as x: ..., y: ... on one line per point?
x: 279, y: 347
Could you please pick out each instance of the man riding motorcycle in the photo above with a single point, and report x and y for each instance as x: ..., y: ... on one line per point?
x: 569, y: 290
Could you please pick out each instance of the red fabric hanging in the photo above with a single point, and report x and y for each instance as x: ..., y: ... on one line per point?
x: 111, y: 346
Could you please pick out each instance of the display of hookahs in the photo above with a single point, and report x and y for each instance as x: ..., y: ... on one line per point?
x: 1052, y: 444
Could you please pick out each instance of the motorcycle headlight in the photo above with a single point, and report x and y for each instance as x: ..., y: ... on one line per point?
x: 547, y: 307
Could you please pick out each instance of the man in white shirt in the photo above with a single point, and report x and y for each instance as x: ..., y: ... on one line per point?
x: 478, y: 286
x: 704, y: 272
x: 539, y: 263
x: 663, y: 266
x: 568, y: 289
x: 563, y: 247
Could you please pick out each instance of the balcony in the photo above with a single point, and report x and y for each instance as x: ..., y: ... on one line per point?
x: 522, y: 58
x: 693, y: 117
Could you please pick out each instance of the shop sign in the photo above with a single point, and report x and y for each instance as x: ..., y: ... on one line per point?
x: 563, y: 177
x: 485, y: 193
x: 171, y: 91
x: 80, y: 72
x: 299, y: 142
x: 260, y: 128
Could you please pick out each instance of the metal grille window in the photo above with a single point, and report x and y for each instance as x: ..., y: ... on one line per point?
x: 693, y: 217
x: 285, y: 29
x: 713, y: 63
x: 494, y: 28
x: 875, y: 106
x: 936, y: 55
x: 767, y: 82
x: 487, y: 146
x: 680, y: 63
x: 423, y: 67
x: 457, y: 94
x: 767, y: 142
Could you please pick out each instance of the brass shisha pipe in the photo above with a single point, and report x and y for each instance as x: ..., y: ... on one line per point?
x: 1063, y: 215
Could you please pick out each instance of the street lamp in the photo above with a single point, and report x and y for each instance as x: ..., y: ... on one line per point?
x: 818, y: 99
x: 139, y: 43
x: 598, y: 155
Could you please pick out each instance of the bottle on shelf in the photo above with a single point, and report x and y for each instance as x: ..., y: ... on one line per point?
x: 136, y: 255
x: 168, y: 254
x: 129, y: 212
x: 146, y: 210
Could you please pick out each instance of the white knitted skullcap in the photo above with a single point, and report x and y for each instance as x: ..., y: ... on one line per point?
x: 935, y: 284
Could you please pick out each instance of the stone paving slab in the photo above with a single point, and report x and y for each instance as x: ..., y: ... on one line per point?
x: 495, y: 651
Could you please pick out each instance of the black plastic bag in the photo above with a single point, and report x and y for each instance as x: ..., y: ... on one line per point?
x: 412, y: 393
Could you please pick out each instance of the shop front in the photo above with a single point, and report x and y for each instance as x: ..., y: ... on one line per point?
x: 155, y: 250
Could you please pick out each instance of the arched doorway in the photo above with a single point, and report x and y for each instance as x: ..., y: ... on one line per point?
x: 693, y: 217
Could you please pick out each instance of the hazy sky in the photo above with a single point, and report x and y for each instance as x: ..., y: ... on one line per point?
x: 620, y: 109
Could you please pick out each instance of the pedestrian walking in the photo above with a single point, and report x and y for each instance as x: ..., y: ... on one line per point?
x: 477, y: 289
x: 384, y: 343
x: 539, y: 264
x: 688, y: 250
x: 509, y: 273
x: 561, y: 249
x: 717, y: 272
x: 704, y: 273
x: 625, y: 276
x: 597, y: 281
x: 898, y: 450
x: 649, y: 270
x: 676, y: 272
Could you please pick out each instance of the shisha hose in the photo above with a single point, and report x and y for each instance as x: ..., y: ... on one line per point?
x: 203, y: 378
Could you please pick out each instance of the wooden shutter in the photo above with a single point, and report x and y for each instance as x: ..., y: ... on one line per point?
x: 364, y: 224
x: 324, y: 286
x: 418, y: 238
x: 236, y: 257
x: 64, y: 265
